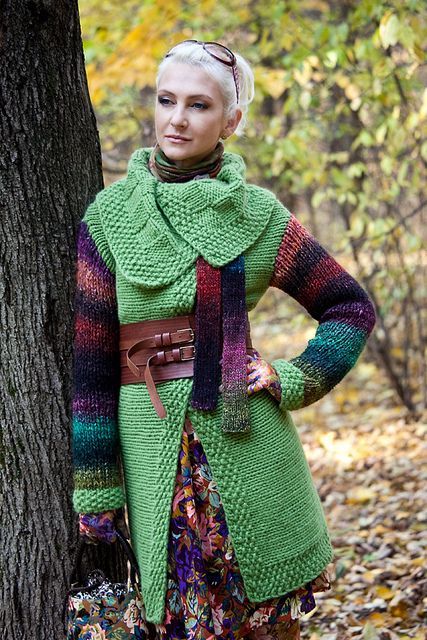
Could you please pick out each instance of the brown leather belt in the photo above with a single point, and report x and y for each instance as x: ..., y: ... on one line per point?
x: 147, y: 347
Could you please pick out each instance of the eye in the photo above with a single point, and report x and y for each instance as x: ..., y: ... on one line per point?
x: 200, y: 105
x: 164, y: 100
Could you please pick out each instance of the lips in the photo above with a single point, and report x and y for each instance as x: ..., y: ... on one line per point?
x: 178, y: 138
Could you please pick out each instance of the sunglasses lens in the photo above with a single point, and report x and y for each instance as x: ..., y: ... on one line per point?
x: 220, y: 52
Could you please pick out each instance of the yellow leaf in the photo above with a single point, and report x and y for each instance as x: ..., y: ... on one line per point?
x: 370, y: 575
x: 316, y: 5
x: 378, y: 619
x: 398, y: 606
x: 273, y: 81
x: 97, y: 95
x: 389, y: 30
x: 352, y: 91
x: 380, y: 528
x: 314, y: 61
x: 359, y: 495
x: 342, y: 80
x: 369, y: 632
x: 423, y: 110
x: 384, y: 592
x: 304, y: 76
x: 331, y: 59
x: 305, y: 99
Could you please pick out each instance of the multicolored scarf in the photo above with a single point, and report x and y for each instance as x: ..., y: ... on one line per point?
x: 220, y: 316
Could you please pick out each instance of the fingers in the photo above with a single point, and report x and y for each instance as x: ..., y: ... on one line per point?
x: 261, y: 375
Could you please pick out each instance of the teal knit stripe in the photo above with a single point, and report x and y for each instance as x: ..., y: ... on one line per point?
x: 89, y: 436
x: 328, y: 358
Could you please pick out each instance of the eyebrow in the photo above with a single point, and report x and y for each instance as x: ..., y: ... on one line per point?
x: 197, y: 95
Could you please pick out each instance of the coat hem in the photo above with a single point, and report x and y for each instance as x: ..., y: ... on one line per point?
x: 283, y: 576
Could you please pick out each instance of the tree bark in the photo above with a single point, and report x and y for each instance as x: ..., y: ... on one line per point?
x: 50, y: 169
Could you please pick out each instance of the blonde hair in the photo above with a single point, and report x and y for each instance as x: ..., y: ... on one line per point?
x: 194, y: 54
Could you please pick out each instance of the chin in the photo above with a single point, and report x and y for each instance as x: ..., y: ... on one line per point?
x: 177, y: 155
x: 174, y: 151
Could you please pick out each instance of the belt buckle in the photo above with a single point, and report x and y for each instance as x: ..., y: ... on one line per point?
x: 191, y: 338
x: 181, y: 352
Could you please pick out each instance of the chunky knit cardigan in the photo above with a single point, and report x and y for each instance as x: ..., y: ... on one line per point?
x: 136, y: 261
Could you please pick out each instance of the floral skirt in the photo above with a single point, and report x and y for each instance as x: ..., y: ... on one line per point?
x: 205, y: 595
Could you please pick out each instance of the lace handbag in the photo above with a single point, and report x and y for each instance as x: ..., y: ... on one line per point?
x: 99, y: 609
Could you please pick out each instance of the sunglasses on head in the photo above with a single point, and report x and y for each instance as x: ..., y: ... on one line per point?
x: 220, y: 53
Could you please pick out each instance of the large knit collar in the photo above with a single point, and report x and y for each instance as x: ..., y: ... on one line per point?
x: 162, y: 227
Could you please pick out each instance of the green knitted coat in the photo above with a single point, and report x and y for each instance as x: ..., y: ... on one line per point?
x: 138, y: 243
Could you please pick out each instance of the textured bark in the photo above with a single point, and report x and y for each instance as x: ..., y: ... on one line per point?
x: 50, y: 169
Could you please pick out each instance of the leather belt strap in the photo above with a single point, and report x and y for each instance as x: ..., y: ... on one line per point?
x: 143, y: 357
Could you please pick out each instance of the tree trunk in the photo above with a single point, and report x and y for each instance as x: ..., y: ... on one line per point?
x: 50, y: 169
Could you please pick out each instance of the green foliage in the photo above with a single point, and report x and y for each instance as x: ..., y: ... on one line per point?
x: 338, y: 124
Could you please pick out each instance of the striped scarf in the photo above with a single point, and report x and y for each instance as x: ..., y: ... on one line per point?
x: 220, y: 316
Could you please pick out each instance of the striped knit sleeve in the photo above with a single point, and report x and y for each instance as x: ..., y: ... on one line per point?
x: 304, y: 270
x: 96, y: 382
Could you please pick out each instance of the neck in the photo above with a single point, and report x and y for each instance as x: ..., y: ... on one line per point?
x: 167, y: 170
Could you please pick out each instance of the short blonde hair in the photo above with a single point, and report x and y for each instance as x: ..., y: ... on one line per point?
x: 194, y: 54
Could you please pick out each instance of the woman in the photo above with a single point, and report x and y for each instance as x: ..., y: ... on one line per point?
x: 233, y: 541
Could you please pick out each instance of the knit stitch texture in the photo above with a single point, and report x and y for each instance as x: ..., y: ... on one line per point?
x: 145, y: 237
x: 96, y: 382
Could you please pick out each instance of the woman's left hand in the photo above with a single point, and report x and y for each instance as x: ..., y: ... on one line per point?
x: 261, y: 375
x: 103, y: 526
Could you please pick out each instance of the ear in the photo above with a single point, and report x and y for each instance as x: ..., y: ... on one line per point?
x: 232, y: 124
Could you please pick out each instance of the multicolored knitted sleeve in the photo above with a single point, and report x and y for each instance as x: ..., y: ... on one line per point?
x: 346, y: 316
x: 96, y: 382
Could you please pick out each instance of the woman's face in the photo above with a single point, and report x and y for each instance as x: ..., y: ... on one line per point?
x: 189, y: 115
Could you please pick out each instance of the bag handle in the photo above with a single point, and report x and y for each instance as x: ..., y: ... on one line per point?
x: 135, y: 576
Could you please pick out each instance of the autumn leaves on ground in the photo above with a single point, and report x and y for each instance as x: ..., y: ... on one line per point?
x: 369, y: 464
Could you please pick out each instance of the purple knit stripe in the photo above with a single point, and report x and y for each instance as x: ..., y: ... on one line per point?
x: 102, y: 308
x: 88, y: 252
x: 354, y: 314
x: 340, y: 289
x: 234, y: 322
x: 90, y: 409
x: 207, y: 368
x: 90, y: 405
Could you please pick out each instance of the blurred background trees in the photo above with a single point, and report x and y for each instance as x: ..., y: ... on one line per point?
x: 337, y: 130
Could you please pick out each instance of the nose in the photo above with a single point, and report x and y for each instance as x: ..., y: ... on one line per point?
x: 178, y: 117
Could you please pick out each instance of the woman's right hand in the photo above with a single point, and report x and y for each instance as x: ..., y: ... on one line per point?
x: 98, y: 527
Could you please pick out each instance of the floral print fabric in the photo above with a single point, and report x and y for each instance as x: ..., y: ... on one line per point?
x: 98, y: 526
x: 261, y: 375
x: 106, y: 611
x: 205, y: 595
